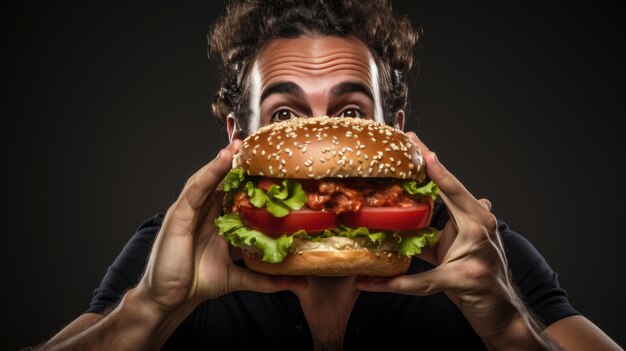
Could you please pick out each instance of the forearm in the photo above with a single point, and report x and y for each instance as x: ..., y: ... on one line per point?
x: 521, y: 334
x: 133, y: 325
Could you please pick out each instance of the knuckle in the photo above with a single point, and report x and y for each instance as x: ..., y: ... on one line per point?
x: 491, y: 223
x: 486, y: 203
x: 474, y: 228
x: 475, y: 271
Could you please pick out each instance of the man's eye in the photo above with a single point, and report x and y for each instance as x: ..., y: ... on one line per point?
x: 352, y: 112
x: 283, y: 115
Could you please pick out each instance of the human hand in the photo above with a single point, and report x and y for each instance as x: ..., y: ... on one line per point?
x: 470, y: 263
x: 189, y: 262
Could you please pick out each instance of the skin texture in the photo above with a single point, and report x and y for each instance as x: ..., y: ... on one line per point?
x: 191, y: 263
x: 312, y: 68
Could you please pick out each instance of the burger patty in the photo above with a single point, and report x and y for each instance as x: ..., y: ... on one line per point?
x: 344, y: 195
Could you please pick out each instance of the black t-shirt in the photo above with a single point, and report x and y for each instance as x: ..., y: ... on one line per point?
x: 381, y: 321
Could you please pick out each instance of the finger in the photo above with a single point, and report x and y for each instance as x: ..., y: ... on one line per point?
x: 208, y: 177
x: 214, y: 209
x: 244, y: 279
x: 447, y: 182
x: 486, y: 203
x: 425, y: 283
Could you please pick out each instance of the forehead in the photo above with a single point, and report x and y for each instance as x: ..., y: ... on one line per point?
x: 310, y: 58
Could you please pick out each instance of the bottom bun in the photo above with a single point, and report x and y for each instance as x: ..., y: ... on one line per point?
x: 335, y: 263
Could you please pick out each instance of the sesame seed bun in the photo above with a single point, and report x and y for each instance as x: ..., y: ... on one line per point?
x: 321, y: 147
x: 332, y: 263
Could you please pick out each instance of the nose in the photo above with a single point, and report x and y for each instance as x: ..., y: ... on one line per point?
x: 318, y: 104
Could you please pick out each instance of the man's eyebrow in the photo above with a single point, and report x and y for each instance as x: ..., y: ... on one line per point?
x: 283, y: 88
x: 350, y: 87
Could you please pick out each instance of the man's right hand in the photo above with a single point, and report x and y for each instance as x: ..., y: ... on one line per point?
x: 189, y: 262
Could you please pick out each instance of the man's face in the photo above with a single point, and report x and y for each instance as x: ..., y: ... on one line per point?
x: 313, y: 76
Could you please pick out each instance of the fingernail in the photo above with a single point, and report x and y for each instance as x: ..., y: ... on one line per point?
x: 219, y: 154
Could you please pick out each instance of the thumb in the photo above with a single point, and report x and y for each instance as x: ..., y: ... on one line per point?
x: 425, y: 283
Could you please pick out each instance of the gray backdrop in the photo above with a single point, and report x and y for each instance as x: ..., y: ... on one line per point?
x: 109, y: 113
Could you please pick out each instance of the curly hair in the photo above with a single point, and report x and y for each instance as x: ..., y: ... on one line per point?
x: 249, y: 24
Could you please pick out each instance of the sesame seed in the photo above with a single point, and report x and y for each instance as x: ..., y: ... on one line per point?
x: 297, y: 169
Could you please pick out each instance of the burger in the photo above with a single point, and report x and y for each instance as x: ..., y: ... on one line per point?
x: 328, y: 196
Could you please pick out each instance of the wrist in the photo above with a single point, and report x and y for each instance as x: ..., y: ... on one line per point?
x: 148, y: 323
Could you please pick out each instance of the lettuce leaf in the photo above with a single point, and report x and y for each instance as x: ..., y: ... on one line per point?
x: 258, y: 197
x: 274, y: 250
x: 279, y: 200
x: 410, y: 246
x: 412, y: 188
x: 236, y: 233
x: 285, y: 198
x: 233, y: 180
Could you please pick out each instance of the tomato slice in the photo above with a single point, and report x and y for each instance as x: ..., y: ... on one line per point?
x: 265, y: 222
x: 389, y: 218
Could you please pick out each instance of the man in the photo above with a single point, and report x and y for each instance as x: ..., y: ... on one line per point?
x: 176, y: 284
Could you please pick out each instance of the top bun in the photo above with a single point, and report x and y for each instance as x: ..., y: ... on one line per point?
x: 320, y: 147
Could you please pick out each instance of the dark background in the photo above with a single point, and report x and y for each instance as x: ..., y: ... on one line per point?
x: 108, y: 112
